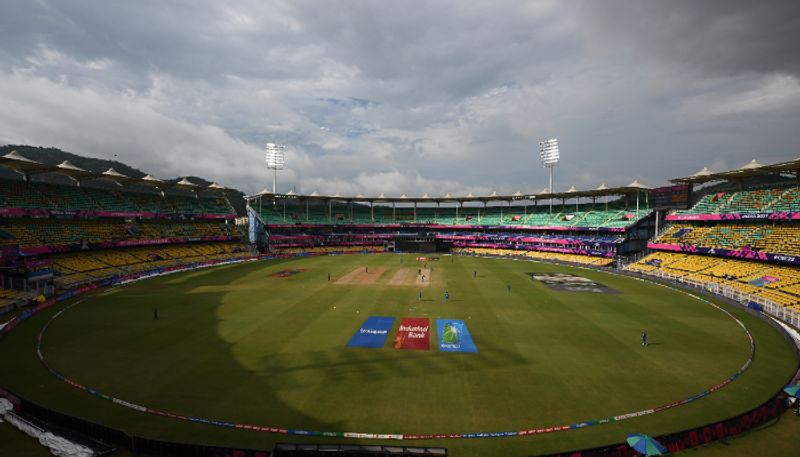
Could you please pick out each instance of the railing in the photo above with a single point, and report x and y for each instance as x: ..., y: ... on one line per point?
x: 661, y: 230
x: 782, y: 312
x: 624, y: 261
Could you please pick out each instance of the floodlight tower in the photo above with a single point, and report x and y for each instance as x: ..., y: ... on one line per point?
x: 548, y: 151
x: 276, y: 159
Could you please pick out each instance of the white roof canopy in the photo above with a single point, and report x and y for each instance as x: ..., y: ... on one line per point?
x: 26, y: 166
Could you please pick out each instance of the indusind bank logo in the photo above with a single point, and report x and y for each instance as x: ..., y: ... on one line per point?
x: 417, y: 331
x: 413, y: 333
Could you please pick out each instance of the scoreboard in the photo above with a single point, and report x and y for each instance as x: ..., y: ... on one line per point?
x: 672, y: 197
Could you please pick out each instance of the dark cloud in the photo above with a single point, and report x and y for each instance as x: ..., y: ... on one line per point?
x: 405, y: 97
x: 716, y: 37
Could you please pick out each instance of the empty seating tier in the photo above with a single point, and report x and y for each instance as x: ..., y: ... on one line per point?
x: 73, y: 269
x: 39, y: 195
x: 778, y: 284
x: 777, y: 239
x: 613, y: 215
x: 59, y: 232
x: 538, y: 255
x: 763, y: 200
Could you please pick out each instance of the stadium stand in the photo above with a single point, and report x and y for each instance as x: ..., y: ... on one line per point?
x: 114, y: 230
x: 18, y: 194
x: 576, y: 223
x: 74, y: 269
x: 9, y: 298
x: 775, y: 238
x: 39, y: 195
x: 537, y: 255
x: 616, y: 215
x: 768, y: 198
x: 750, y: 246
x: 58, y: 232
x: 779, y: 284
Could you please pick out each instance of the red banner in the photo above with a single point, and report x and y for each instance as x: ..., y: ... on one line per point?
x: 413, y: 333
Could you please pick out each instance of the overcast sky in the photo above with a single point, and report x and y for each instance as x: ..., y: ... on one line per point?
x: 405, y: 96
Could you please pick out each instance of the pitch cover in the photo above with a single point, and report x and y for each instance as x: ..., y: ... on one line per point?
x: 373, y: 333
x: 413, y: 333
x: 454, y: 336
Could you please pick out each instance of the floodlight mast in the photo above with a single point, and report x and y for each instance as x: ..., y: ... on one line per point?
x: 548, y: 151
x: 276, y: 159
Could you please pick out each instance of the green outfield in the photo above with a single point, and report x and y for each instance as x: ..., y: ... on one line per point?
x: 240, y: 344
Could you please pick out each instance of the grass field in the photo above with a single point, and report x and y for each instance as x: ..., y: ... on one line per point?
x: 234, y: 343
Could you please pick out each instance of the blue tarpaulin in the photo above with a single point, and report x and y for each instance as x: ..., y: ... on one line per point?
x: 373, y: 333
x: 454, y: 336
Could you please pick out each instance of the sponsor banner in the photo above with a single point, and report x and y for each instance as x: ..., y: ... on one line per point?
x: 373, y: 333
x: 454, y: 336
x: 587, y: 252
x: 34, y: 250
x: 738, y: 254
x: 453, y: 227
x: 12, y: 212
x: 371, y: 436
x: 781, y: 215
x: 40, y: 212
x: 214, y: 216
x: 343, y: 244
x: 413, y: 333
x: 584, y: 243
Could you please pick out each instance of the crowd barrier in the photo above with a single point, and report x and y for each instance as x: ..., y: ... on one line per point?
x: 310, y: 450
x: 781, y: 312
x: 687, y: 439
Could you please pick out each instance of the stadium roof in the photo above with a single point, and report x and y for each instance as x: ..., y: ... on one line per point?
x: 150, y: 180
x: 73, y: 171
x: 22, y: 164
x: 633, y: 188
x: 26, y: 166
x: 753, y: 168
x: 217, y: 187
x: 113, y: 175
x: 183, y: 183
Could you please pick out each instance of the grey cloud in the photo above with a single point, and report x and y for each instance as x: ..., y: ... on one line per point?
x: 717, y: 37
x: 385, y: 97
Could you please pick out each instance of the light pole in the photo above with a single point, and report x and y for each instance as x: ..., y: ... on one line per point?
x: 548, y: 151
x: 276, y: 159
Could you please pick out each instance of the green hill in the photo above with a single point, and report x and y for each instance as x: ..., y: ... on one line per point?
x: 54, y: 156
